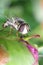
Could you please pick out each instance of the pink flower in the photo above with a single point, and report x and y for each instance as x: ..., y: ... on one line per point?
x: 32, y: 49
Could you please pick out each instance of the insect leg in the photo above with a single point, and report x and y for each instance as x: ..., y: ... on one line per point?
x: 17, y: 34
x: 10, y: 31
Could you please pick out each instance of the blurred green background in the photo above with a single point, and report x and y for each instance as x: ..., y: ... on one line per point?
x: 23, y: 9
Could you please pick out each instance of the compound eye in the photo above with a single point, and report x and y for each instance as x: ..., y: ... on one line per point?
x: 16, y: 23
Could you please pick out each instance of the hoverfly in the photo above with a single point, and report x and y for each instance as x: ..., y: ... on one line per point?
x: 18, y: 24
x: 22, y: 27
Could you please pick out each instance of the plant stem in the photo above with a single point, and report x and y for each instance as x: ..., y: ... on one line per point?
x: 33, y: 36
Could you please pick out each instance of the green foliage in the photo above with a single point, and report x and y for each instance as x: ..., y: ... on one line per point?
x: 23, y: 9
x: 18, y: 53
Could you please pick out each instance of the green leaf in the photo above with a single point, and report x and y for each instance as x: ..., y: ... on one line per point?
x: 18, y: 53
